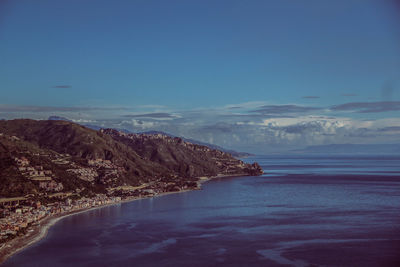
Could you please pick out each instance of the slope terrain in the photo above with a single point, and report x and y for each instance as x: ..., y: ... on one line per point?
x: 52, y: 157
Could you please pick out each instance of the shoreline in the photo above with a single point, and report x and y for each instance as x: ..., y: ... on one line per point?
x: 38, y: 232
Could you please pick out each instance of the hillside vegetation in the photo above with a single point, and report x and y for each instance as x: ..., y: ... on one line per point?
x: 49, y: 157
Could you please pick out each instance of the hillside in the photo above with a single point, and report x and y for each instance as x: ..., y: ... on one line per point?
x: 181, y: 157
x: 52, y: 157
x: 234, y: 153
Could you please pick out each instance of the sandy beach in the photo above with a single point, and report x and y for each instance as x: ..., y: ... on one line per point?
x: 39, y: 231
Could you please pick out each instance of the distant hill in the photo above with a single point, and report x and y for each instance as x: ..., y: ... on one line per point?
x: 78, y: 158
x: 234, y: 153
x: 373, y: 149
x: 58, y: 118
x: 156, y: 132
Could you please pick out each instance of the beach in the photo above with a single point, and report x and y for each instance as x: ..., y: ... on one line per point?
x: 306, y: 211
x: 39, y: 231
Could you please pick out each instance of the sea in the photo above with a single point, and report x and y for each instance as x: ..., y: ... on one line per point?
x: 304, y: 211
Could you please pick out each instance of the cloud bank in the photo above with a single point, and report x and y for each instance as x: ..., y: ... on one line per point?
x: 255, y: 126
x: 369, y: 107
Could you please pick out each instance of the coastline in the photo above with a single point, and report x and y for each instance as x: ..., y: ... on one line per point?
x: 39, y: 231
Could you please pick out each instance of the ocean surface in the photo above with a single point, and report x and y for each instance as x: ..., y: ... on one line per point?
x: 305, y: 211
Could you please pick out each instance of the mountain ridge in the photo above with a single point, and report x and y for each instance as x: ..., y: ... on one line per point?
x: 234, y: 153
x: 81, y: 159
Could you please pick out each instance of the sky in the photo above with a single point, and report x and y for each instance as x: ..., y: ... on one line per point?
x: 259, y: 76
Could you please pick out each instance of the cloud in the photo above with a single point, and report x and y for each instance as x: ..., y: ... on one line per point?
x: 142, y: 125
x: 255, y: 127
x: 280, y: 134
x: 151, y: 107
x: 34, y: 109
x: 159, y: 115
x: 12, y: 108
x: 368, y: 107
x: 349, y: 94
x: 390, y: 129
x: 62, y: 86
x: 246, y: 105
x: 218, y: 127
x: 83, y: 121
x: 303, y: 128
x: 283, y: 109
x: 311, y: 97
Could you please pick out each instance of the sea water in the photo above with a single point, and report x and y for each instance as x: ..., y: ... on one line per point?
x: 304, y: 211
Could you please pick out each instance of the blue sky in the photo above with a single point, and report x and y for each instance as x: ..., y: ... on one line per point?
x: 205, y: 68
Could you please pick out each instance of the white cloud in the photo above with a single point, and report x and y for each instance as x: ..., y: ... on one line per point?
x: 238, y: 127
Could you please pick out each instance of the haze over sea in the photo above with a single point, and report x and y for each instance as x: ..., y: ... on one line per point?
x: 306, y: 210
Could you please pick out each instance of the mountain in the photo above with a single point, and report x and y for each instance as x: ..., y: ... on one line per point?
x: 178, y: 155
x: 95, y: 127
x: 156, y: 132
x: 234, y: 153
x: 374, y: 149
x: 54, y: 156
x: 58, y: 118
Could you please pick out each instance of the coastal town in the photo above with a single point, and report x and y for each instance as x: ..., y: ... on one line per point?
x: 24, y: 219
x: 45, y: 177
x: 19, y: 214
x: 52, y: 198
